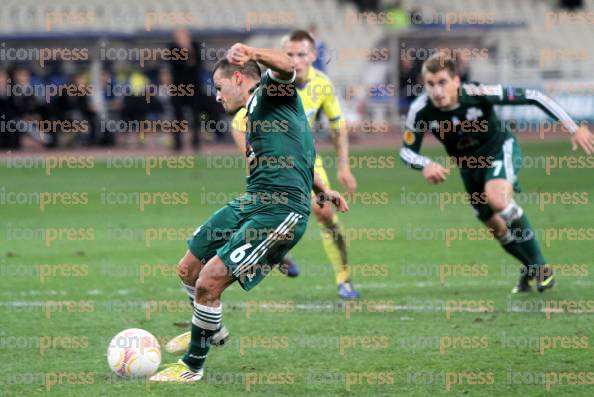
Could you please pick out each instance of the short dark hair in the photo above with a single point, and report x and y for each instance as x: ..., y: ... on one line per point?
x: 250, y: 68
x: 300, y: 35
x: 438, y: 62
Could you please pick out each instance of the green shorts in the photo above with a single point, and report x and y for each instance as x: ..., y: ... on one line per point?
x: 505, y: 165
x: 249, y: 239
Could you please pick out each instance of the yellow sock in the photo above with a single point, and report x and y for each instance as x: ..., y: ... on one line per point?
x: 335, y: 246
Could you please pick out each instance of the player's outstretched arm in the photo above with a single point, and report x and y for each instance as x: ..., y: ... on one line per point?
x: 435, y: 173
x: 580, y: 136
x: 498, y: 95
x: 280, y: 64
x: 584, y: 139
x: 340, y: 136
x: 411, y: 146
x: 340, y: 139
x: 432, y: 172
x: 324, y: 194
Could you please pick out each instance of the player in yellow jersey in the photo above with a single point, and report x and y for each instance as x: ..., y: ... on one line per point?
x: 317, y: 94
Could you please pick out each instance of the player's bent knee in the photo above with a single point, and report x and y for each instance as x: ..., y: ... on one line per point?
x: 208, y: 289
x: 499, y: 194
x: 497, y: 202
x: 496, y: 226
x: 511, y: 212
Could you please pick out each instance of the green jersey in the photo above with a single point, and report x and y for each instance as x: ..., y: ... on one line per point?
x: 471, y: 130
x: 279, y: 146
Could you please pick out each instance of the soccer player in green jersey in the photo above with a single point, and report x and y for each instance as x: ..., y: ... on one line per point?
x: 245, y: 239
x: 462, y: 117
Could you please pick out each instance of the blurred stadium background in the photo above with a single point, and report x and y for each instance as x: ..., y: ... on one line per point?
x: 372, y: 50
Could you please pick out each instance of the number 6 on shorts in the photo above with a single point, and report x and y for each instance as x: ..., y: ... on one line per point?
x: 239, y: 253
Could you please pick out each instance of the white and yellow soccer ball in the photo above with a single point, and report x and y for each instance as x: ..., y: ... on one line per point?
x: 134, y: 353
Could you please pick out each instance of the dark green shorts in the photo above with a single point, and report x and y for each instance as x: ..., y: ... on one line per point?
x: 505, y: 165
x: 250, y: 239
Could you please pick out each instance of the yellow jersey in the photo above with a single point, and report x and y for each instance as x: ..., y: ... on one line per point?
x: 316, y: 94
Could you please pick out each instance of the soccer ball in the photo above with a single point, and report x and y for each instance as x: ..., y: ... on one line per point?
x: 134, y: 352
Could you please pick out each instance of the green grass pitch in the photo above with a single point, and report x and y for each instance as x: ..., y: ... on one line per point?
x: 436, y: 316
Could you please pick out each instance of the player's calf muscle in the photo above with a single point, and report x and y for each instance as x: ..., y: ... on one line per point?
x: 208, y: 292
x: 213, y: 280
x: 496, y: 225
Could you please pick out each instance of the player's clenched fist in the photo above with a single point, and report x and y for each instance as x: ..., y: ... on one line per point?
x: 239, y: 54
x: 435, y: 173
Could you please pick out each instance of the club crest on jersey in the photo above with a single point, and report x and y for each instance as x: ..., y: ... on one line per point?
x: 473, y: 113
x: 409, y: 137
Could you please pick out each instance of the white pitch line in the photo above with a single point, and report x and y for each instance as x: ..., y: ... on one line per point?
x: 272, y: 288
x: 438, y: 307
x: 418, y: 284
x: 339, y: 307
